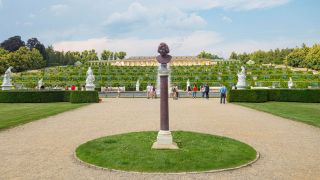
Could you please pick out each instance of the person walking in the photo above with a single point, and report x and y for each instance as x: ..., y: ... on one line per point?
x: 223, y: 93
x: 194, y: 91
x: 202, y: 89
x: 189, y: 91
x: 206, y: 90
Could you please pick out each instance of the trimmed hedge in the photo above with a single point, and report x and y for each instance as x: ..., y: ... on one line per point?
x: 84, y: 97
x: 48, y: 96
x: 280, y: 95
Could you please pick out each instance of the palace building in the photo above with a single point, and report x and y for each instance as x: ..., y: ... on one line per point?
x: 151, y: 61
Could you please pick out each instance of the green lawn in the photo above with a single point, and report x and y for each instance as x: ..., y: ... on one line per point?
x: 308, y: 113
x: 198, y: 152
x: 15, y: 114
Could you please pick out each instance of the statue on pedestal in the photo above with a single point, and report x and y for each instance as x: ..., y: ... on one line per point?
x: 290, y: 83
x: 242, y: 78
x: 40, y: 83
x: 6, y: 84
x: 138, y: 85
x: 90, y: 80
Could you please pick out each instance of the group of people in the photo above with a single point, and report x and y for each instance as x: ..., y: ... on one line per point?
x: 151, y: 92
x: 205, y: 92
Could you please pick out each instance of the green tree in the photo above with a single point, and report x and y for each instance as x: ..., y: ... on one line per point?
x: 233, y: 55
x: 35, y: 43
x: 312, y: 60
x: 12, y: 44
x: 106, y: 54
x: 122, y: 54
x: 297, y: 57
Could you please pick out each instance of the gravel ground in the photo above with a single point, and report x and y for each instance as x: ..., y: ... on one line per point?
x: 44, y: 149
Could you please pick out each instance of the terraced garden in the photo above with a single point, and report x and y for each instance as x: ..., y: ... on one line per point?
x: 214, y: 75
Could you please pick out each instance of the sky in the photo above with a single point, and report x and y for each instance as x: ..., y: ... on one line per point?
x: 187, y: 26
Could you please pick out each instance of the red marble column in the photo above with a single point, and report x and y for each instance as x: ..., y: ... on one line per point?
x: 164, y: 104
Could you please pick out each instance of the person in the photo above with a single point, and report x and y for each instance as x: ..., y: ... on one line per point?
x: 202, y: 90
x: 154, y: 94
x: 223, y: 93
x: 206, y: 90
x: 194, y: 91
x: 174, y: 92
x: 177, y: 93
x: 189, y: 90
x: 148, y: 91
x: 73, y: 88
x: 118, y: 91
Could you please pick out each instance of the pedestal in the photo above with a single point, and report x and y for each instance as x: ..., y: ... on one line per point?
x: 90, y: 87
x: 164, y: 138
x: 6, y: 87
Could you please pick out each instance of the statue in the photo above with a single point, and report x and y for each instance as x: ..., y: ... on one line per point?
x: 7, y: 77
x: 188, y: 83
x: 164, y: 56
x: 40, y: 83
x: 290, y: 83
x: 138, y: 85
x: 90, y: 80
x: 242, y: 78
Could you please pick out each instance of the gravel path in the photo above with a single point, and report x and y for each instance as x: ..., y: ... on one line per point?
x: 44, y: 149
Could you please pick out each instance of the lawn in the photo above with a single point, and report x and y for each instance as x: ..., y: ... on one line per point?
x: 308, y: 113
x: 15, y: 114
x: 198, y: 152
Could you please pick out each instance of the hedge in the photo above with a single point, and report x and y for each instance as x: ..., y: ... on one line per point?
x: 84, y: 97
x: 48, y: 96
x: 280, y: 95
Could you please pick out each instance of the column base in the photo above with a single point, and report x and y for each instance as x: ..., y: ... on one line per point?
x: 90, y: 87
x: 164, y: 141
x: 6, y: 87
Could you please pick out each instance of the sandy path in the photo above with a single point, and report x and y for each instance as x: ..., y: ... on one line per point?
x: 44, y: 149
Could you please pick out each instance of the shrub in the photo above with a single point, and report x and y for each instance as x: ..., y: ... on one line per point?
x: 84, y: 97
x: 280, y: 95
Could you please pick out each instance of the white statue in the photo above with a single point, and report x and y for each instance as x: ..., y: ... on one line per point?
x: 90, y: 80
x: 188, y: 83
x: 290, y: 83
x: 242, y: 78
x: 138, y: 85
x: 40, y: 83
x: 7, y: 77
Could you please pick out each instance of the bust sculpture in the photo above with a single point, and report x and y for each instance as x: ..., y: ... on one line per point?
x: 242, y: 78
x: 7, y: 77
x: 164, y: 57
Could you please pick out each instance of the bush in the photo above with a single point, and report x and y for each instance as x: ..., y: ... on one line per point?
x: 280, y: 95
x: 48, y: 96
x: 32, y: 96
x: 84, y: 97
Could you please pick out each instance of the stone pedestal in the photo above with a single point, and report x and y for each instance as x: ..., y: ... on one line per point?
x: 90, y: 87
x: 164, y: 141
x: 6, y: 87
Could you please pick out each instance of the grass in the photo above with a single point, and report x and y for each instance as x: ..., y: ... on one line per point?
x: 20, y: 113
x: 198, y: 152
x: 308, y: 113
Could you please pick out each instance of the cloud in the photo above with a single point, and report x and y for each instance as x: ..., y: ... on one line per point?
x: 180, y: 45
x: 58, y: 9
x: 226, y: 19
x: 138, y: 17
x: 1, y: 3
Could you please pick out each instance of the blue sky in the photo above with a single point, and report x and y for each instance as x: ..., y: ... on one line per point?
x: 188, y: 26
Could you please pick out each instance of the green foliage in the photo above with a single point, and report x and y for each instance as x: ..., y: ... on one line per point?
x: 207, y: 55
x: 12, y: 44
x: 280, y: 95
x: 106, y: 55
x: 122, y: 55
x: 297, y: 56
x: 313, y: 58
x: 84, y: 97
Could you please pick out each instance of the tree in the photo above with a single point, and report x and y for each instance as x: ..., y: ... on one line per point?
x: 297, y: 57
x: 312, y: 60
x: 35, y: 43
x: 3, y: 60
x: 207, y: 55
x: 122, y: 54
x: 12, y: 44
x: 244, y: 57
x: 233, y: 55
x: 259, y: 56
x: 106, y: 54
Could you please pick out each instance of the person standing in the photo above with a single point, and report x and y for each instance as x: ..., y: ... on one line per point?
x: 202, y: 89
x: 223, y: 93
x: 149, y: 89
x: 206, y: 90
x: 194, y: 91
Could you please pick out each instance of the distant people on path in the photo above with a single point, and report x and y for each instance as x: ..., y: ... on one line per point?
x: 73, y: 88
x: 202, y: 89
x: 154, y: 94
x: 194, y: 91
x: 206, y: 90
x: 118, y: 92
x: 223, y: 94
x: 175, y: 93
x: 189, y: 90
x: 149, y: 90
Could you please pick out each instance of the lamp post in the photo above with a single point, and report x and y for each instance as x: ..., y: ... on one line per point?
x: 164, y: 138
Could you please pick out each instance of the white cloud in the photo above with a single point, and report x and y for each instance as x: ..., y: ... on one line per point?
x: 180, y: 45
x: 58, y: 9
x: 138, y: 16
x: 1, y: 3
x: 226, y: 19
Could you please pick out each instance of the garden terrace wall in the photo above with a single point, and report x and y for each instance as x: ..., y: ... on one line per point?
x: 48, y: 96
x: 279, y: 95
